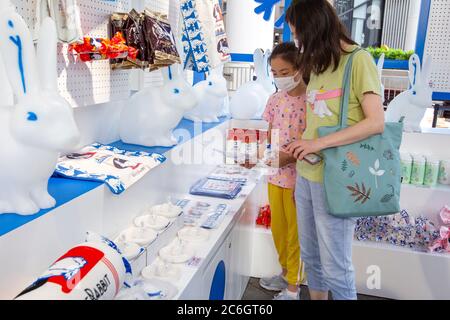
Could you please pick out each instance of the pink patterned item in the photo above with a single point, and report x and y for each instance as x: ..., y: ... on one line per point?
x: 445, y: 215
x: 442, y: 244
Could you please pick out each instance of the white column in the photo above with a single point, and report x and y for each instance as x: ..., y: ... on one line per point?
x: 246, y: 30
x: 413, y: 23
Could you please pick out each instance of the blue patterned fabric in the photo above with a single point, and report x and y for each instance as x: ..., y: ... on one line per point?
x: 194, y: 45
x: 91, y: 165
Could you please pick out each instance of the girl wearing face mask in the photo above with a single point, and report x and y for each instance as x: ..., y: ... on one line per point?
x: 285, y: 113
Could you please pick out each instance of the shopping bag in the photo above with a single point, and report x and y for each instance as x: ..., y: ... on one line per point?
x: 362, y: 178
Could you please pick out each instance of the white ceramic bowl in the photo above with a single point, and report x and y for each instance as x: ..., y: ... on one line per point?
x: 193, y: 234
x: 167, y: 210
x: 130, y: 250
x: 155, y: 222
x: 176, y: 253
x: 141, y: 236
x: 161, y: 270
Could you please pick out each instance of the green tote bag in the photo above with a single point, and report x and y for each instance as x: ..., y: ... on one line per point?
x: 363, y: 178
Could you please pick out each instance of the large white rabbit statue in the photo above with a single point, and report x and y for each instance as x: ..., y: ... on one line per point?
x: 153, y: 113
x: 211, y: 94
x: 380, y: 66
x: 251, y: 98
x: 412, y: 103
x: 40, y: 125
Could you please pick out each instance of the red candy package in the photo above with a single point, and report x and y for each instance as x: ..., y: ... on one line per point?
x: 264, y: 217
x: 92, y: 49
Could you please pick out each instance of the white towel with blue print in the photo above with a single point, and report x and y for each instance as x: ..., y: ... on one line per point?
x: 119, y: 169
x: 194, y: 45
x: 215, y: 37
x: 203, y: 35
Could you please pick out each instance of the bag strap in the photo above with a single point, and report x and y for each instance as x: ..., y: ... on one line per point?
x: 346, y: 88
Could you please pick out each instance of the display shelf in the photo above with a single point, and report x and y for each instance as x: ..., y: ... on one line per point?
x: 393, y: 272
x: 65, y: 190
x: 43, y: 240
x: 263, y: 230
x: 400, y: 249
x: 193, y: 129
x: 424, y: 201
x: 437, y: 188
x: 216, y: 238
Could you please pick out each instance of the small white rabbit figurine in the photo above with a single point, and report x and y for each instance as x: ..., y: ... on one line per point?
x: 211, y: 94
x: 40, y: 125
x: 412, y: 103
x: 153, y: 112
x: 251, y: 98
x: 380, y: 66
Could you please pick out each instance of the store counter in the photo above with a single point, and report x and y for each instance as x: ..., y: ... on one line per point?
x: 30, y: 246
x: 65, y: 190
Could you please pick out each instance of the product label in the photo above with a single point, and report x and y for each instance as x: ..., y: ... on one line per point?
x: 99, y: 290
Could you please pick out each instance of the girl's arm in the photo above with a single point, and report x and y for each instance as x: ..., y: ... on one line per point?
x: 372, y: 124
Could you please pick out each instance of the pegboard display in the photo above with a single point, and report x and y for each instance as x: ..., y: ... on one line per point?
x: 172, y: 9
x: 437, y: 44
x: 82, y: 83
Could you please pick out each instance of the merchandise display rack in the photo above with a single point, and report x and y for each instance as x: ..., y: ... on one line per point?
x: 42, y: 240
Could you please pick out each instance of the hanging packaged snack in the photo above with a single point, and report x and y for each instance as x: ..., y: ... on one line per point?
x: 134, y: 35
x: 161, y: 46
x: 92, y: 49
x: 118, y: 22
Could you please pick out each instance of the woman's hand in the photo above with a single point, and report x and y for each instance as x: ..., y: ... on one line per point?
x: 299, y: 149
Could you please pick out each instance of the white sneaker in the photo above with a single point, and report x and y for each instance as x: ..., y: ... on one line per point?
x: 275, y: 283
x: 285, y: 295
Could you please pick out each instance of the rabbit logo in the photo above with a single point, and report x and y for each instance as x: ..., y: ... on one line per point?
x: 38, y: 123
x: 67, y: 268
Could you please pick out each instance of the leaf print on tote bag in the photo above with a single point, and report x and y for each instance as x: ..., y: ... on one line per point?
x: 360, y: 194
x: 376, y: 171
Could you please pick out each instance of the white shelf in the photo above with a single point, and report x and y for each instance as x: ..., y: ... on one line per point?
x: 394, y: 248
x: 438, y: 188
x: 424, y: 201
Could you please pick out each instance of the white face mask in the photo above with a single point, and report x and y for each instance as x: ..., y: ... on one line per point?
x: 287, y: 83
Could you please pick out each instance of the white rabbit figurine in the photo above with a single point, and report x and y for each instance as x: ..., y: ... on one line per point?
x: 211, y: 94
x: 153, y: 112
x: 412, y: 103
x: 40, y: 125
x: 251, y: 98
x: 380, y: 66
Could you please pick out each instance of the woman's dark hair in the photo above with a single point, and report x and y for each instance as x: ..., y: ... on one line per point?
x: 288, y: 52
x: 319, y: 32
